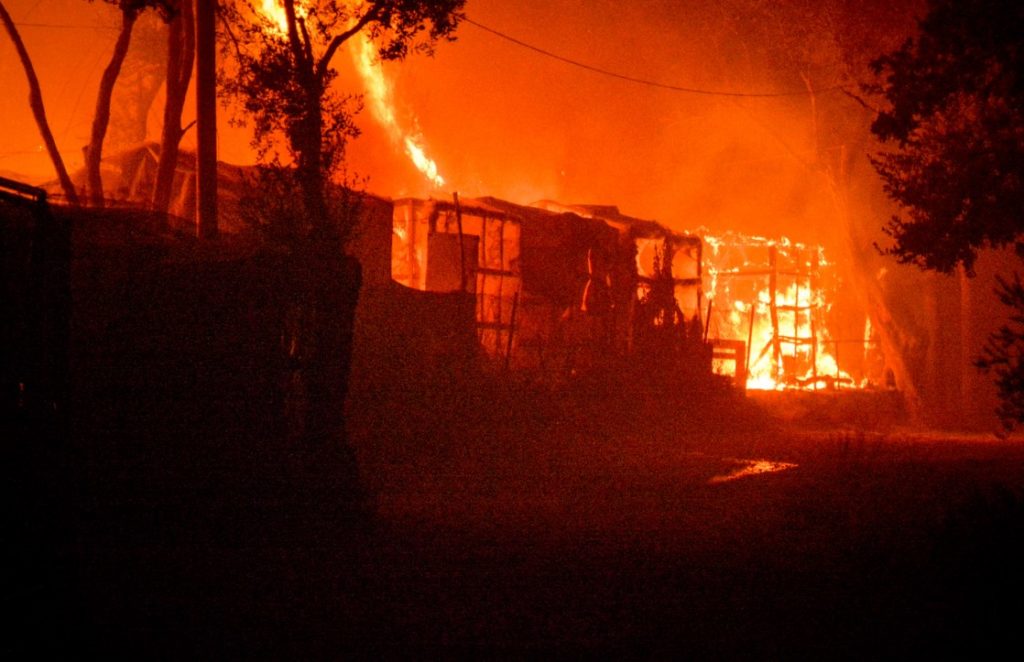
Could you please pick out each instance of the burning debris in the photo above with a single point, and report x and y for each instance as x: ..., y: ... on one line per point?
x: 743, y: 468
x: 473, y: 248
x: 772, y: 299
x: 562, y: 288
x: 559, y: 289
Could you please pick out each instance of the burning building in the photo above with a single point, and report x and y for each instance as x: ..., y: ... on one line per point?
x: 561, y: 288
x: 769, y: 311
x: 558, y: 289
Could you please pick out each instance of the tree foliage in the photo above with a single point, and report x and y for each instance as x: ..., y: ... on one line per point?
x: 1004, y: 354
x: 956, y: 141
x: 284, y: 75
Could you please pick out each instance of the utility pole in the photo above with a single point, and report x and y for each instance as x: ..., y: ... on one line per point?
x: 206, y: 119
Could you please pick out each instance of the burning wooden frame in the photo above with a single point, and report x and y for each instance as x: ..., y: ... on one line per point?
x: 441, y: 246
x: 559, y: 289
x: 771, y: 298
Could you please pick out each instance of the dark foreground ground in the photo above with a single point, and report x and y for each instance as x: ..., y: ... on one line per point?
x: 584, y: 538
x: 173, y: 509
x: 546, y: 528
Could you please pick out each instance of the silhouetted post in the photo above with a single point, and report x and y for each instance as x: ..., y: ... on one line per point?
x: 206, y: 120
x: 968, y: 400
x: 814, y: 284
x: 773, y: 309
x: 511, y: 331
x: 707, y: 322
x: 462, y: 245
x: 750, y: 340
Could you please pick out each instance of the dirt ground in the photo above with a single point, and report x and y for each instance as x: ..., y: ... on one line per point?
x: 655, y: 540
x: 171, y: 519
x: 508, y: 525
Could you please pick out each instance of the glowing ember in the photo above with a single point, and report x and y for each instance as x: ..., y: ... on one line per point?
x: 379, y: 93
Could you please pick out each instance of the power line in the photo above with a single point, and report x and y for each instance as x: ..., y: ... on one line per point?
x: 60, y: 26
x: 644, y: 81
x: 561, y: 58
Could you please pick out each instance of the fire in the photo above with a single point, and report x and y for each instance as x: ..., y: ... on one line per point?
x: 422, y: 162
x: 378, y: 90
x: 380, y: 95
x: 789, y: 344
x: 806, y: 361
x: 273, y: 10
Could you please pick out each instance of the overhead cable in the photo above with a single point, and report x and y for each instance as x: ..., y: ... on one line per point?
x: 644, y: 81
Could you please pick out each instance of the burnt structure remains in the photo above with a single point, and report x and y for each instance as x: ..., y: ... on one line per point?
x: 557, y: 291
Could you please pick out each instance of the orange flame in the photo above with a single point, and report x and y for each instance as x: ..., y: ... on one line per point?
x: 763, y: 371
x: 378, y: 90
x: 380, y: 95
x: 805, y: 359
x: 273, y: 10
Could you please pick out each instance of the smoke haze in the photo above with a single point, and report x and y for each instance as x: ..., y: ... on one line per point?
x: 502, y: 120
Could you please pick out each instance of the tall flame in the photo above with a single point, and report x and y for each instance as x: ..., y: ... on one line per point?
x: 273, y: 10
x: 380, y: 95
x: 378, y: 90
x: 791, y: 323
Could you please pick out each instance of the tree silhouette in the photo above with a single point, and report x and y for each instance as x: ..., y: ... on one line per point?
x: 954, y: 120
x: 35, y: 101
x: 956, y: 158
x: 285, y: 73
x: 130, y: 10
x: 181, y: 46
x: 1003, y: 356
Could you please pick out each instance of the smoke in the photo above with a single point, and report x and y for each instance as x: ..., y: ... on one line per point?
x: 503, y: 120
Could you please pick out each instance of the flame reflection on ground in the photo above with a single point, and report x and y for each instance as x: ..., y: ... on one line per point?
x: 751, y: 468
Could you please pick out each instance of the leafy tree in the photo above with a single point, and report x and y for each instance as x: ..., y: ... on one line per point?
x: 130, y: 10
x: 284, y: 81
x: 955, y: 157
x: 953, y: 121
x: 1004, y: 354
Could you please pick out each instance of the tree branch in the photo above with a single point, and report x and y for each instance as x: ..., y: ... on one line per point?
x: 231, y: 34
x: 814, y: 113
x: 307, y: 44
x: 859, y: 100
x: 293, y: 36
x: 35, y: 101
x: 101, y: 118
x: 321, y: 67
